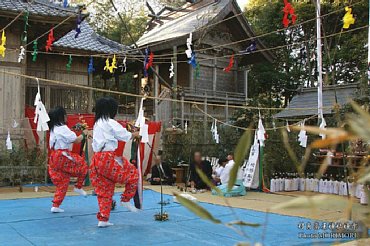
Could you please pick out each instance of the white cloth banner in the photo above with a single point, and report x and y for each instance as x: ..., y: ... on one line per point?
x: 251, y: 169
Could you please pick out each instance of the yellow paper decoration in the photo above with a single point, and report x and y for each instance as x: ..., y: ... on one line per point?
x: 2, y: 46
x: 348, y: 18
x: 112, y: 67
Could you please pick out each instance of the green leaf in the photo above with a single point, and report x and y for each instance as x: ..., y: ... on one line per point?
x: 241, y: 151
x: 196, y: 209
x: 208, y: 182
x: 243, y: 223
x: 365, y: 177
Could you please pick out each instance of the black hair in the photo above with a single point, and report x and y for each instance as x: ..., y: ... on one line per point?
x: 105, y: 108
x: 57, y: 117
x: 222, y: 160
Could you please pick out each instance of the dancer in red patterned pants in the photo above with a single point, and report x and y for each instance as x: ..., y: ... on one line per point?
x: 61, y: 169
x: 64, y: 164
x: 106, y: 170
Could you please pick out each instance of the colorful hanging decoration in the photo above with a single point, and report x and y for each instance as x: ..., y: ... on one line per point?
x: 322, y: 126
x: 69, y: 64
x: 150, y: 61
x: 65, y: 3
x: 25, y: 29
x: 90, y: 68
x: 50, y: 40
x: 302, y: 136
x: 21, y: 55
x: 123, y: 65
x: 186, y: 127
x: 35, y: 52
x: 261, y: 132
x: 231, y: 64
x: 78, y: 24
x: 189, y: 41
x: 193, y: 61
x: 287, y: 126
x: 41, y: 115
x: 3, y: 43
x: 250, y: 49
x: 274, y: 125
x: 111, y: 67
x: 214, y: 131
x: 172, y: 73
x: 288, y: 12
x: 348, y: 18
x: 146, y: 61
x: 8, y: 143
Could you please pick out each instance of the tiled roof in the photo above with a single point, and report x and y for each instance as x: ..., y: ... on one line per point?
x: 37, y: 7
x: 88, y: 40
x: 182, y: 22
x: 307, y: 98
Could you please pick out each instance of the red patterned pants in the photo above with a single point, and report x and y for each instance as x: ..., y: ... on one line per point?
x: 105, y: 172
x: 61, y: 168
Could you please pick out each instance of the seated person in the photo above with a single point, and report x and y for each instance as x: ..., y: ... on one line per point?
x: 238, y: 188
x: 196, y: 182
x: 161, y: 170
x: 218, y: 170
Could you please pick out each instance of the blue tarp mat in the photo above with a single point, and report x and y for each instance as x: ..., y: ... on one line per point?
x: 29, y: 222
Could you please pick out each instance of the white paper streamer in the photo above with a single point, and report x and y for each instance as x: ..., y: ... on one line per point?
x: 41, y: 116
x: 189, y: 41
x: 21, y: 54
x: 214, y: 131
x: 302, y: 136
x: 172, y: 73
x: 140, y: 122
x: 322, y: 126
x: 261, y: 132
x: 9, y: 145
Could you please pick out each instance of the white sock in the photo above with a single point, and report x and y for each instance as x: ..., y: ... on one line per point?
x: 104, y: 224
x: 80, y: 191
x: 56, y: 210
x: 130, y: 207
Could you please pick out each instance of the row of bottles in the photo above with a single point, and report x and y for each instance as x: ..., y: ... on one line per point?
x: 327, y: 184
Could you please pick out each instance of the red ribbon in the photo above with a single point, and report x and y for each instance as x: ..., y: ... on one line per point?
x: 231, y: 64
x: 50, y: 40
x: 288, y: 11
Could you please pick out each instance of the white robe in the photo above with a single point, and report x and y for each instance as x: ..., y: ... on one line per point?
x: 351, y: 189
x: 316, y: 185
x: 281, y: 186
x: 336, y: 187
x: 302, y: 184
x: 359, y: 189
x: 272, y: 185
x: 364, y: 199
x: 321, y: 186
x: 286, y: 185
x: 330, y: 187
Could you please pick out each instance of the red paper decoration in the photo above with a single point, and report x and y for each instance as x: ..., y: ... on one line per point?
x: 50, y: 40
x: 288, y: 11
x: 150, y: 61
x: 231, y: 64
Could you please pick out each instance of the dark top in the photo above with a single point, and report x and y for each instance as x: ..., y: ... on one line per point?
x: 206, y: 167
x: 167, y: 176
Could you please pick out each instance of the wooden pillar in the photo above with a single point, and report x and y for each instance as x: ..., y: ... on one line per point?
x: 156, y: 94
x: 182, y: 112
x: 90, y: 94
x: 191, y: 77
x: 227, y: 108
x: 246, y: 85
x: 214, y: 77
x: 174, y: 86
x: 205, y: 118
